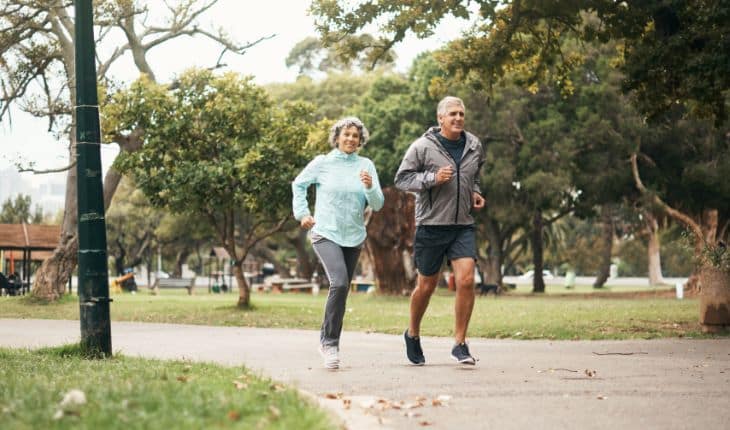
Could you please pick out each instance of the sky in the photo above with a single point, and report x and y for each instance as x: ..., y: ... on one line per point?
x: 27, y: 139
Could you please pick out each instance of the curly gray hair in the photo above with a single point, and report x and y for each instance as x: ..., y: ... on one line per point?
x: 348, y: 122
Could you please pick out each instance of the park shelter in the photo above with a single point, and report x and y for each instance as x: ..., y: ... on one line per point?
x: 22, y: 244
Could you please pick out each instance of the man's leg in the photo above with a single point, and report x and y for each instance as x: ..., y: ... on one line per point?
x: 420, y: 298
x: 464, y: 304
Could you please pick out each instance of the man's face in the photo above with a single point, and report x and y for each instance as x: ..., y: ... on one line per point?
x: 452, y: 122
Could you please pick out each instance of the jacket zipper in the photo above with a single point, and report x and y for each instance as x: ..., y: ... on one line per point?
x: 458, y: 191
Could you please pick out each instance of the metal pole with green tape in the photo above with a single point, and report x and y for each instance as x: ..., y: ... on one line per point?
x: 93, y: 286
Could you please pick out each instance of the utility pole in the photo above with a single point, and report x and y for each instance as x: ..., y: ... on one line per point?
x: 93, y: 286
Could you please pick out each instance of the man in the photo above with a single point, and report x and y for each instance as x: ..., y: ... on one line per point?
x: 442, y: 168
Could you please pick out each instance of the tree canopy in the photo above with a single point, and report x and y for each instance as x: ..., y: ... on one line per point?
x: 217, y: 147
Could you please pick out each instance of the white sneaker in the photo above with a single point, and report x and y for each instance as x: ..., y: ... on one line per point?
x: 331, y: 356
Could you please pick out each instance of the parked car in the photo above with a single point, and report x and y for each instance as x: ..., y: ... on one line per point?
x: 527, y: 276
x: 161, y: 275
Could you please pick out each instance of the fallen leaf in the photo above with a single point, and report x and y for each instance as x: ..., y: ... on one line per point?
x: 443, y: 398
x: 182, y: 378
x: 424, y: 423
x: 72, y: 400
x: 600, y: 397
x: 332, y: 395
x: 234, y: 415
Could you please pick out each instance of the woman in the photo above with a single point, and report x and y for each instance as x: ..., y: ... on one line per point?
x: 345, y: 183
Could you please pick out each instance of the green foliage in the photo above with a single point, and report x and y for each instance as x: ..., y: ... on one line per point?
x: 333, y: 97
x: 398, y: 110
x: 672, y: 50
x: 18, y: 211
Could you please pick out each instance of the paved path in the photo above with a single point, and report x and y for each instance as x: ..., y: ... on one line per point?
x: 657, y: 384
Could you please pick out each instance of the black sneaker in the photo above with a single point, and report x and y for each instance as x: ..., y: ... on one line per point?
x: 461, y: 354
x: 413, y: 349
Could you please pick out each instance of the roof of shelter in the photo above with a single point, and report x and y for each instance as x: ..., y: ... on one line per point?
x: 29, y: 236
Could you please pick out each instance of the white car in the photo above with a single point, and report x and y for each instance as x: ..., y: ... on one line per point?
x: 527, y: 276
x: 161, y: 275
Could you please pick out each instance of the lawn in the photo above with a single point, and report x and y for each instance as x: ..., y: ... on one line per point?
x: 516, y: 315
x: 123, y: 393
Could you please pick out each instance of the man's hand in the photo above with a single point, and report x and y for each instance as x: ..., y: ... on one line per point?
x: 307, y: 222
x: 444, y: 175
x: 477, y: 200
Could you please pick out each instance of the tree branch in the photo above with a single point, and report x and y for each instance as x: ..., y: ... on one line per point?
x: 679, y: 216
x: 41, y: 172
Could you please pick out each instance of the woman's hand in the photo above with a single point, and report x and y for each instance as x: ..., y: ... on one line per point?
x: 366, y: 179
x: 307, y: 222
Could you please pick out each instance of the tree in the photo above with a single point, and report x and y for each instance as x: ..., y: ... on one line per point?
x: 672, y: 50
x: 18, y: 211
x: 37, y: 75
x: 217, y: 147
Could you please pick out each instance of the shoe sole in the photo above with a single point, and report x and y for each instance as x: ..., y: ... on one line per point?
x: 411, y: 362
x: 470, y: 361
x: 330, y: 366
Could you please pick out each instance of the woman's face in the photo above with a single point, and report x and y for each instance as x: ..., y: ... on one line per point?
x: 348, y: 139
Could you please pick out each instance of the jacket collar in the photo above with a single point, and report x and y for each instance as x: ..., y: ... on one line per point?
x: 339, y: 155
x: 470, y: 139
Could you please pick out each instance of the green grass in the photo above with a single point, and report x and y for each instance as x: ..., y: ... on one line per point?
x: 520, y: 316
x: 131, y: 393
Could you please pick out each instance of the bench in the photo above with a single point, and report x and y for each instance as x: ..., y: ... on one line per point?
x: 171, y: 283
x: 279, y: 285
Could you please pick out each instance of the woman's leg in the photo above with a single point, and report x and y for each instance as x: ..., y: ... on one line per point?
x: 339, y: 264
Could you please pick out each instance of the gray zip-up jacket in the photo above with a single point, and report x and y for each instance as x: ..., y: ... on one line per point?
x: 449, y: 203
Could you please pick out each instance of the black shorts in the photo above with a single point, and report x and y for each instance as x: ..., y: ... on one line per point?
x: 433, y: 242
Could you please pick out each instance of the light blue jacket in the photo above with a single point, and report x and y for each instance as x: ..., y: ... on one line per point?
x: 340, y: 196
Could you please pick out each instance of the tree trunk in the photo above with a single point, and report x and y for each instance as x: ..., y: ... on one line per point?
x: 244, y: 294
x: 390, y: 242
x: 604, y: 267
x: 708, y: 224
x: 653, y: 249
x: 53, y: 274
x: 305, y: 266
x: 180, y: 259
x: 538, y: 283
x: 495, y: 257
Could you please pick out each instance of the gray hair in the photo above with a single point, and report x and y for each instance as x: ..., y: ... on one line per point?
x: 448, y: 101
x: 348, y: 122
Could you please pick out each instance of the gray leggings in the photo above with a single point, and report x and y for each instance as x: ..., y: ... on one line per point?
x: 339, y: 262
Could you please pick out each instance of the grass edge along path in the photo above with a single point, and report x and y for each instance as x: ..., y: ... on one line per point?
x: 508, y: 316
x: 57, y: 388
